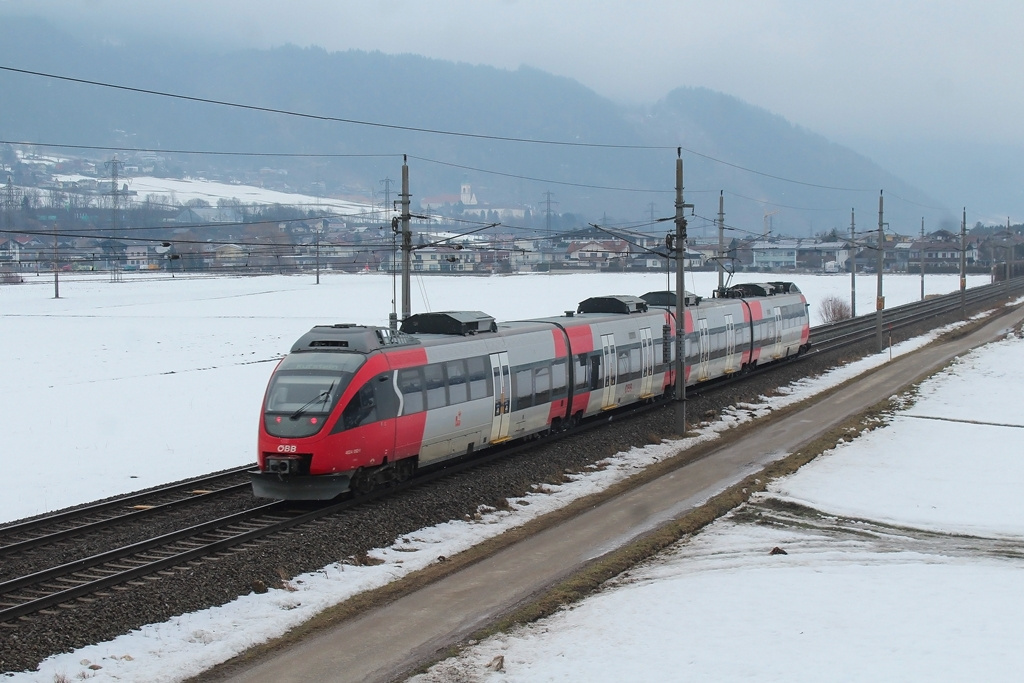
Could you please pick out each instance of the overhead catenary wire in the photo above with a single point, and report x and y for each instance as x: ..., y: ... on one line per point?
x: 418, y: 129
x: 322, y: 117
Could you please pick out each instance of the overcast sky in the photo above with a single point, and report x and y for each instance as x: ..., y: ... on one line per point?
x: 848, y: 70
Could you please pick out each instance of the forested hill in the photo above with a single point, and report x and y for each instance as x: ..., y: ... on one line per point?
x: 373, y: 100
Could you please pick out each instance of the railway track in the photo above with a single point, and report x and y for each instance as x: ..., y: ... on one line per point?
x: 85, y: 580
x: 65, y: 525
x: 88, y: 579
x: 864, y: 328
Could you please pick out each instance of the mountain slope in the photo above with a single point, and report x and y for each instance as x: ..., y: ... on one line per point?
x: 628, y: 176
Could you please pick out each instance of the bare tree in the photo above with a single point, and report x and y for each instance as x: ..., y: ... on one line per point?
x: 832, y: 309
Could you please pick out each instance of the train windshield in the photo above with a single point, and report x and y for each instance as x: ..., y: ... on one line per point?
x: 305, y: 389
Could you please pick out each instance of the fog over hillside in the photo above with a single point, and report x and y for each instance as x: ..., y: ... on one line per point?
x: 458, y: 123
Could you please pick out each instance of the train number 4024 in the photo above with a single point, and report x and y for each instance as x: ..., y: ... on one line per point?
x: 285, y: 448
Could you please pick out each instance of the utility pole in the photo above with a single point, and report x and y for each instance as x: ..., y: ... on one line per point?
x: 922, y: 258
x: 393, y: 315
x: 880, y: 299
x: 321, y: 229
x: 56, y: 265
x: 387, y: 193
x: 1009, y: 257
x: 114, y: 164
x: 406, y: 241
x: 680, y: 249
x: 721, y: 242
x: 963, y: 266
x: 853, y: 268
x: 9, y: 204
x: 547, y: 211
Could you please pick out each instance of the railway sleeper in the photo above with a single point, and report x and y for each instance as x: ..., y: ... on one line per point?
x: 55, y: 587
x: 104, y: 573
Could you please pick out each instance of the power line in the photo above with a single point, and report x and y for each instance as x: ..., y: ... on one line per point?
x: 434, y: 131
x: 321, y: 117
x: 154, y: 150
x: 535, y: 179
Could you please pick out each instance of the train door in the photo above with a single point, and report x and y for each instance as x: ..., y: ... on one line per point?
x: 502, y: 397
x: 768, y: 339
x: 778, y: 332
x: 647, y: 362
x: 611, y: 368
x: 730, y: 344
x: 704, y: 343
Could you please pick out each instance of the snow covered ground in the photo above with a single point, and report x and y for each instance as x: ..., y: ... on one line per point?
x: 119, y: 386
x: 903, y: 563
x: 183, y: 190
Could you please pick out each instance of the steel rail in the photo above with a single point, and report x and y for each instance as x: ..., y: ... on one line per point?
x: 104, y: 507
x: 854, y: 330
x: 129, y: 517
x: 78, y: 578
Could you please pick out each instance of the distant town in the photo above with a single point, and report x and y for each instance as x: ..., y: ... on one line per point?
x: 75, y: 214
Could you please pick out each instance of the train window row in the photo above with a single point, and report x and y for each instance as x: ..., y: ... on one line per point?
x: 444, y: 384
x: 629, y: 365
x: 448, y: 383
x: 539, y: 383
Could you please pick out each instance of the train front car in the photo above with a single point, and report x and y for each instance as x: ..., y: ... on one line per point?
x: 330, y: 412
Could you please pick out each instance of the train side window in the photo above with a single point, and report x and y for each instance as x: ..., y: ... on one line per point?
x: 385, y: 396
x: 582, y: 376
x: 458, y: 391
x: 559, y: 379
x: 542, y: 384
x: 410, y: 383
x: 595, y: 371
x: 479, y: 378
x: 522, y: 387
x: 362, y: 409
x: 434, y: 381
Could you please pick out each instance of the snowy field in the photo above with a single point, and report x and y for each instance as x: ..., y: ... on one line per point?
x: 119, y: 386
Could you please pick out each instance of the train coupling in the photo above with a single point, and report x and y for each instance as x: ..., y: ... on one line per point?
x: 282, y: 465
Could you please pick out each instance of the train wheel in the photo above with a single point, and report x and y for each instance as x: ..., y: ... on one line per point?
x: 404, y: 469
x: 362, y: 482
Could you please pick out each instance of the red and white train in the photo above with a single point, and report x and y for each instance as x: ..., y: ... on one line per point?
x: 354, y: 406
